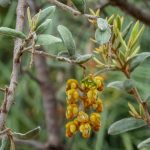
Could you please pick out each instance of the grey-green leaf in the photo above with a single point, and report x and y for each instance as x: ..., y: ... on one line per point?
x: 83, y: 58
x: 46, y: 13
x: 125, y: 85
x: 43, y: 27
x: 63, y: 54
x: 4, y: 143
x: 125, y: 125
x: 145, y: 143
x: 11, y: 32
x: 117, y: 85
x: 137, y: 60
x: 103, y: 37
x: 102, y: 24
x: 80, y: 5
x: 28, y: 135
x: 67, y: 39
x: 46, y: 39
x: 4, y: 3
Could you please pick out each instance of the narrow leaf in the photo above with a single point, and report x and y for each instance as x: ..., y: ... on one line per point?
x: 125, y: 85
x: 80, y: 5
x: 12, y: 144
x: 28, y: 135
x: 29, y: 17
x: 117, y: 85
x: 122, y: 40
x: 63, y: 54
x: 133, y: 109
x: 145, y: 143
x: 68, y: 40
x: 44, y: 26
x: 83, y: 58
x: 46, y: 39
x: 125, y: 125
x: 137, y: 60
x: 46, y: 13
x: 133, y: 34
x: 11, y: 32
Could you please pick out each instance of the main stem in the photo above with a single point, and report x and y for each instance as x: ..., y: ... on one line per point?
x: 16, y: 65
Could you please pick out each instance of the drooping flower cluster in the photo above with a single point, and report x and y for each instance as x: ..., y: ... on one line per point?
x: 82, y: 100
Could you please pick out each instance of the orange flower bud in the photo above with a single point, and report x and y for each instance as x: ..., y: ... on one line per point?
x: 71, y: 129
x: 85, y: 129
x: 98, y: 105
x: 72, y: 96
x: 95, y: 121
x: 99, y: 82
x: 92, y: 94
x: 72, y: 111
x: 72, y: 84
x: 83, y: 117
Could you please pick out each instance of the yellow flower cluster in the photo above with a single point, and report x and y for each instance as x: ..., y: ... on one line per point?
x: 82, y: 99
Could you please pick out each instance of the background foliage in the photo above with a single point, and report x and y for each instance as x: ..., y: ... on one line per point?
x: 27, y: 112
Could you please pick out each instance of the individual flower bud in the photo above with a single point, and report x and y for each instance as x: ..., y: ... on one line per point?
x: 98, y: 105
x: 71, y: 84
x: 71, y: 129
x: 72, y: 111
x: 83, y: 117
x: 99, y: 82
x: 92, y: 94
x: 95, y: 121
x: 72, y: 96
x: 88, y: 103
x: 85, y: 129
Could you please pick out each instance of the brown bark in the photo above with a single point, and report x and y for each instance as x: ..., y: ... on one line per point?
x: 49, y: 101
x: 132, y: 10
x: 16, y: 65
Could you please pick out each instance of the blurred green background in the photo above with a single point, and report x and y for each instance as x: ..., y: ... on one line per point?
x: 27, y: 113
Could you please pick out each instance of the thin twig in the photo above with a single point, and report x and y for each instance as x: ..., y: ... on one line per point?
x: 70, y: 9
x: 2, y: 89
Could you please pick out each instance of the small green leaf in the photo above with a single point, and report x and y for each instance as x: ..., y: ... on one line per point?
x: 12, y: 144
x: 119, y: 21
x: 4, y: 3
x: 128, y: 84
x: 133, y: 110
x: 103, y: 37
x: 102, y: 24
x: 28, y: 135
x: 125, y: 33
x: 122, y: 85
x: 117, y: 85
x: 133, y: 34
x: 83, y: 58
x: 125, y: 125
x: 44, y: 26
x: 63, y: 54
x: 137, y: 60
x: 11, y: 32
x: 4, y: 143
x: 46, y: 39
x: 80, y: 5
x: 67, y: 39
x: 46, y: 13
x: 145, y: 143
x: 29, y: 18
x: 122, y: 41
